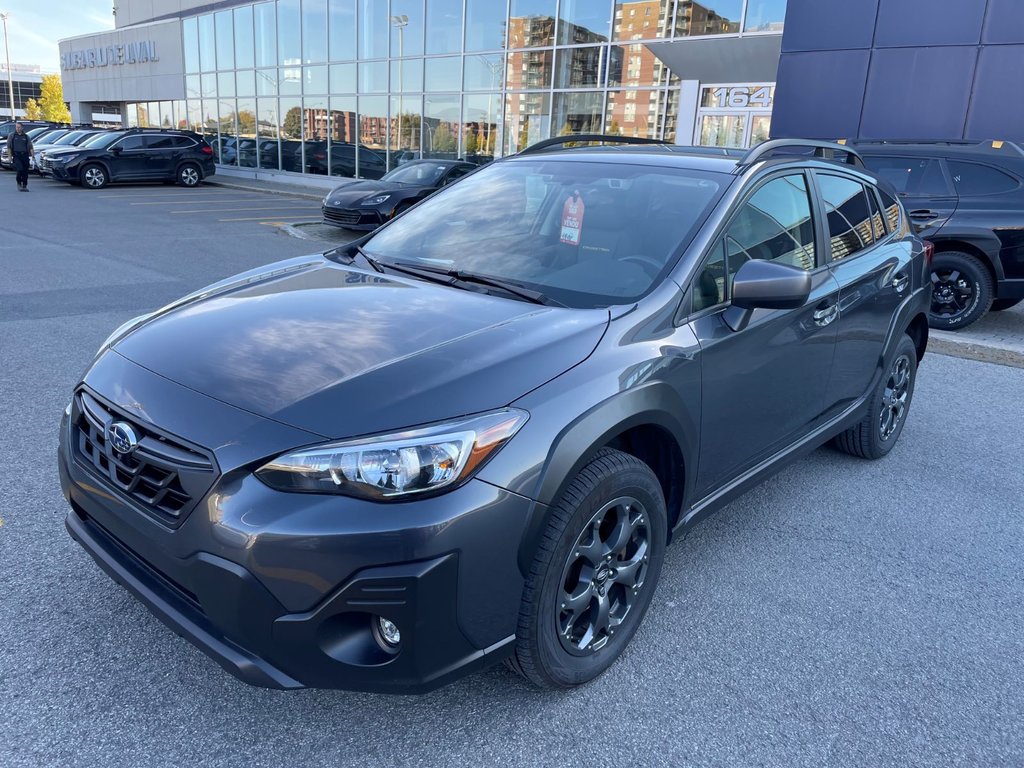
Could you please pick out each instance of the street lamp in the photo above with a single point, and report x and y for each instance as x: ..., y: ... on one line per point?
x: 7, y: 49
x: 400, y: 23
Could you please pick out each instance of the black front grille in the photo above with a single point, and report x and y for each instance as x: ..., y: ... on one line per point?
x: 164, y: 475
x: 346, y: 218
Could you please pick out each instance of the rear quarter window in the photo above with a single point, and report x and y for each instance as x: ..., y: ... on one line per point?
x: 913, y: 176
x: 976, y: 179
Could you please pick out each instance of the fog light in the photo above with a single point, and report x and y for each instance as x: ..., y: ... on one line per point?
x: 388, y: 632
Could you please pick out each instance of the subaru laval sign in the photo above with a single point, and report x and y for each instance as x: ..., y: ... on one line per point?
x: 110, y: 55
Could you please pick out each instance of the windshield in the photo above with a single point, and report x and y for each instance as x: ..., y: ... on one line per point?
x: 426, y: 174
x: 587, y: 234
x: 36, y: 131
x: 50, y: 138
x: 103, y: 140
x: 67, y: 138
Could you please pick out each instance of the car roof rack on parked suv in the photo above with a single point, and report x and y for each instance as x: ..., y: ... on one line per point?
x: 985, y: 145
x: 560, y: 141
x: 824, y: 149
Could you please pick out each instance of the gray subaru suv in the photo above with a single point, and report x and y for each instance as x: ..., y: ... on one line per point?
x: 469, y: 436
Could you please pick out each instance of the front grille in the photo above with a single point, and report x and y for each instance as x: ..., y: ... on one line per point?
x: 163, y: 475
x: 345, y: 217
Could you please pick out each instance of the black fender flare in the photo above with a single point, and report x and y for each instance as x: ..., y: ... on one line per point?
x: 979, y: 239
x: 572, y: 449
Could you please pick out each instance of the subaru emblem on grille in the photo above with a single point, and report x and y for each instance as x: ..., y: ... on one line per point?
x: 122, y: 437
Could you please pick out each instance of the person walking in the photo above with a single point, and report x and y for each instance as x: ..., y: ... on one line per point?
x: 21, y: 150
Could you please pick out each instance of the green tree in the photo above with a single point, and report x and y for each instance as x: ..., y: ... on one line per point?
x: 444, y: 141
x: 472, y: 143
x: 51, y: 100
x: 292, y: 127
x: 246, y: 123
x: 32, y: 110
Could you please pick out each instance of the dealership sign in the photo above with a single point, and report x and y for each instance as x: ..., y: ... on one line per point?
x: 122, y: 53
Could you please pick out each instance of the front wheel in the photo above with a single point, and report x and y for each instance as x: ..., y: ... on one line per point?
x: 594, y: 573
x: 1001, y: 304
x: 878, y: 431
x: 189, y: 175
x: 94, y: 177
x: 962, y: 290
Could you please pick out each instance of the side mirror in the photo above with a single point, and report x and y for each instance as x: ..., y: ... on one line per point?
x: 761, y: 284
x: 116, y: 150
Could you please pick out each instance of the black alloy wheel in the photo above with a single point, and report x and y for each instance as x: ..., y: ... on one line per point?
x: 895, y: 397
x: 961, y: 290
x: 594, y: 572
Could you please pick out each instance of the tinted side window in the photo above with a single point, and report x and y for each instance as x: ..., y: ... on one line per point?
x: 877, y: 225
x: 131, y: 142
x: 891, y: 209
x: 910, y: 175
x: 974, y: 179
x: 775, y: 224
x: 846, y: 208
x: 160, y: 142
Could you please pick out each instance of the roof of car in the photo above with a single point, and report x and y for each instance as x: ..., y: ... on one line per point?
x: 990, y: 148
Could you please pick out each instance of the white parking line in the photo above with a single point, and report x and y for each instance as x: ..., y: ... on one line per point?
x: 283, y: 208
x: 271, y: 218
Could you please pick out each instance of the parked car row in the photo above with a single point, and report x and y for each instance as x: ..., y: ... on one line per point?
x: 94, y: 158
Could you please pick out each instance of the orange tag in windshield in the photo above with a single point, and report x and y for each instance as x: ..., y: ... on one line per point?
x: 572, y: 220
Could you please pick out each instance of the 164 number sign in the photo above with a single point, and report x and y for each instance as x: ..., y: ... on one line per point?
x: 740, y: 97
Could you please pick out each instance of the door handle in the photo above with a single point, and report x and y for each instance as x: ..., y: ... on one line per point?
x: 924, y: 215
x: 900, y: 282
x: 825, y: 315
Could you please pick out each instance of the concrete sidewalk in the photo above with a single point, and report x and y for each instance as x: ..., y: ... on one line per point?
x: 997, y: 338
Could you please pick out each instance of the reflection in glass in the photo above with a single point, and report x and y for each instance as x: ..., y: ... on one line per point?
x: 207, y: 44
x: 208, y: 126
x: 634, y: 113
x: 314, y: 79
x: 485, y: 25
x: 289, y: 31
x: 315, y: 131
x: 291, y: 135
x: 343, y: 78
x: 266, y: 82
x: 190, y: 39
x: 441, y: 121
x: 635, y: 65
x: 265, y: 30
x: 290, y: 81
x: 405, y: 129
x: 760, y: 129
x: 585, y: 21
x: 245, y: 82
x: 343, y: 132
x: 192, y: 90
x: 527, y: 120
x: 723, y: 130
x: 314, y: 31
x: 531, y: 24
x: 444, y: 26
x: 208, y: 84
x: 178, y: 108
x: 225, y: 40
x: 579, y: 67
x: 406, y: 75
x: 484, y: 73
x: 245, y: 149
x: 225, y: 84
x: 245, y: 57
x: 224, y: 150
x: 373, y: 136
x: 706, y: 18
x: 529, y: 70
x: 406, y: 27
x: 342, y: 25
x: 194, y: 111
x: 373, y: 29
x: 644, y: 20
x: 266, y: 129
x: 578, y: 112
x: 373, y: 77
x: 481, y: 117
x: 765, y: 16
x: 443, y: 74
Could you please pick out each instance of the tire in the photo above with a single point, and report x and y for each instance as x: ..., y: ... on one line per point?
x: 962, y: 290
x: 1001, y: 304
x: 93, y: 176
x: 189, y: 175
x: 615, y: 498
x: 882, y: 425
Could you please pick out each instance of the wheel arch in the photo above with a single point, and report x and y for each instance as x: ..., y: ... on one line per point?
x: 182, y: 163
x: 984, y: 246
x: 917, y: 330
x: 95, y: 161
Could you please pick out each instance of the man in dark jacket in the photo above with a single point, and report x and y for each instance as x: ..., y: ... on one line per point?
x: 21, y: 150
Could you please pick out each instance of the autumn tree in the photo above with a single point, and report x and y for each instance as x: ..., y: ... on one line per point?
x: 292, y: 127
x: 32, y: 110
x: 444, y: 141
x: 51, y: 100
x: 246, y: 122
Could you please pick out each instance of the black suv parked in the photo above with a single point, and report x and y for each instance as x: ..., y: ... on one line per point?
x: 137, y: 154
x: 967, y: 198
x: 469, y: 435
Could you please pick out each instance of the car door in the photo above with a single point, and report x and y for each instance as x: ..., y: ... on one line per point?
x: 872, y: 265
x: 763, y: 387
x: 127, y: 158
x: 161, y: 153
x: 923, y: 185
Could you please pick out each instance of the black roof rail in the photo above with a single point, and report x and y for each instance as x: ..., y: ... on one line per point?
x: 572, y: 138
x: 823, y: 149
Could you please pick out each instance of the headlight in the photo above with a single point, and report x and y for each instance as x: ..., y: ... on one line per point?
x: 64, y: 158
x: 397, y: 465
x: 376, y: 200
x: 123, y: 330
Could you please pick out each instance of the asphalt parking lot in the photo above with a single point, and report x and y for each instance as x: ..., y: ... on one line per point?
x: 844, y: 613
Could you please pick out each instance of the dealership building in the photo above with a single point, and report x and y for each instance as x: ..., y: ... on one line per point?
x: 351, y: 87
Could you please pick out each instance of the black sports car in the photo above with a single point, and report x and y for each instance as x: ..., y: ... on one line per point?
x: 369, y: 203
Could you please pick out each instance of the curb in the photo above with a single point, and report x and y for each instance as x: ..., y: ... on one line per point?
x: 266, y: 190
x: 972, y: 350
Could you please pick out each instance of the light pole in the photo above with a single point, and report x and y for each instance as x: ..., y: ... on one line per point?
x: 7, y: 49
x: 400, y: 23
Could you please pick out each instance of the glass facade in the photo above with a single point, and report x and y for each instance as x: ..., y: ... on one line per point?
x: 357, y: 87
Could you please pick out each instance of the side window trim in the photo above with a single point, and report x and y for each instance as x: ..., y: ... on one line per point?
x: 877, y: 197
x: 866, y: 188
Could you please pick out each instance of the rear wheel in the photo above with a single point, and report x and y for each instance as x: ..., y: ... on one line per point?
x: 882, y: 425
x: 93, y: 177
x: 594, y: 573
x: 1000, y: 304
x: 189, y: 175
x: 962, y: 290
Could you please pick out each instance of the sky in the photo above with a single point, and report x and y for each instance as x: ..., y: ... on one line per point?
x: 35, y: 26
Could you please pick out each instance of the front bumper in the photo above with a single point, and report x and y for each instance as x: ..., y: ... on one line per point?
x: 360, y: 219
x: 283, y: 590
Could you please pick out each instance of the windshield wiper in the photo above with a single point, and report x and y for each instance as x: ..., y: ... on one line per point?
x: 535, y: 297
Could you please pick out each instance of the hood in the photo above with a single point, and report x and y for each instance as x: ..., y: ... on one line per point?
x: 341, y: 352
x: 357, y: 190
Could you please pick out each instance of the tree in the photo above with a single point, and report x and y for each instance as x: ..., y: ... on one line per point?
x: 246, y: 123
x: 51, y: 100
x: 292, y: 127
x: 472, y: 144
x: 444, y: 141
x: 32, y: 110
